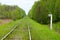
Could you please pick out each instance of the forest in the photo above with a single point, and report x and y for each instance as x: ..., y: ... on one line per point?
x: 35, y: 25
x: 41, y: 9
x: 11, y: 12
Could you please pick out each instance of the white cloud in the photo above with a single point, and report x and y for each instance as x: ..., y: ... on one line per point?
x: 25, y: 4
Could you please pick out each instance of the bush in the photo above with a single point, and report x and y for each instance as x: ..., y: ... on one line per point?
x: 11, y: 12
x: 38, y: 13
x: 41, y: 9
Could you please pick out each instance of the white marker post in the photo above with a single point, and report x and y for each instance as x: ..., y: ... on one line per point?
x: 50, y: 15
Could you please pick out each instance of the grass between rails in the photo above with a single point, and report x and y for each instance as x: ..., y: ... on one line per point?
x: 38, y: 31
x: 4, y: 29
x: 20, y: 33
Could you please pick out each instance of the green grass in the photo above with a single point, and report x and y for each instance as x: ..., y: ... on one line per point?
x: 4, y: 29
x: 0, y: 21
x: 56, y: 27
x: 20, y: 33
x: 38, y: 31
x: 42, y: 32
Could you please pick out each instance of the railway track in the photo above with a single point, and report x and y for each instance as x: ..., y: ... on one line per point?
x: 15, y: 26
x: 29, y: 32
x: 17, y: 32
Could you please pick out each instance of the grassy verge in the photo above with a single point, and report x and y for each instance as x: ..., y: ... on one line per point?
x: 56, y: 27
x: 38, y: 31
x: 42, y: 32
x: 4, y: 29
x: 20, y: 33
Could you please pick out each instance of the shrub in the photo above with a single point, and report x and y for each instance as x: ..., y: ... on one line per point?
x: 11, y: 12
x: 41, y: 9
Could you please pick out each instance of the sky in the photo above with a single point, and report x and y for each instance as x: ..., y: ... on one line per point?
x: 24, y: 4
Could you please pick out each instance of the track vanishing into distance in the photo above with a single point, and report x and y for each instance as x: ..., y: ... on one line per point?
x: 16, y: 33
x: 29, y: 32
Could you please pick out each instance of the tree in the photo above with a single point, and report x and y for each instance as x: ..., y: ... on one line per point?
x: 11, y: 12
x: 42, y: 8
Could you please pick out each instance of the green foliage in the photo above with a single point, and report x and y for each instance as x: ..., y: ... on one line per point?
x: 38, y: 31
x: 56, y: 27
x: 41, y: 9
x: 39, y: 13
x: 21, y: 32
x: 4, y: 29
x: 11, y: 12
x: 43, y: 32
